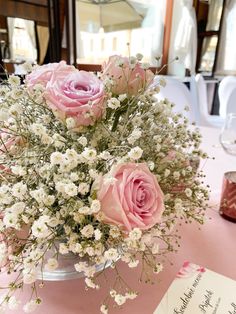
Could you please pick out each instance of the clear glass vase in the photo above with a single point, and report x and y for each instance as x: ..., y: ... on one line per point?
x: 66, y: 269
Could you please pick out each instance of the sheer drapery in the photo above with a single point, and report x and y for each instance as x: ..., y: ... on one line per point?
x: 153, y: 24
x: 185, y: 43
x: 30, y: 29
x: 214, y: 15
x: 226, y: 61
x: 79, y: 43
x: 11, y: 26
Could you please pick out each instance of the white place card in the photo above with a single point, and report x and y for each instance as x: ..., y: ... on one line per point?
x: 197, y: 290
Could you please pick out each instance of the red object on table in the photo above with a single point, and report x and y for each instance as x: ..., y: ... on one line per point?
x: 228, y: 197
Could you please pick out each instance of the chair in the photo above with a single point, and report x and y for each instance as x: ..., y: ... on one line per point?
x: 227, y: 95
x: 205, y: 118
x: 178, y: 94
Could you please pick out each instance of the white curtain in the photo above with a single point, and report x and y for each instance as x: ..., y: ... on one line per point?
x: 11, y: 25
x: 184, y: 36
x: 226, y: 62
x: 214, y: 14
x: 154, y: 21
x: 29, y: 26
x: 79, y: 43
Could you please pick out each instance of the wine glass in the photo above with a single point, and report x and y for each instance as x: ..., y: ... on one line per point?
x: 228, y: 134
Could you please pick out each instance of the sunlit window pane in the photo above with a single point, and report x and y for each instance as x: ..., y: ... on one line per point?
x: 119, y: 27
x: 22, y: 39
x: 208, y: 54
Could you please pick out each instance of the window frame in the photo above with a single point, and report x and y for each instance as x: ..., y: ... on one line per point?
x: 209, y: 34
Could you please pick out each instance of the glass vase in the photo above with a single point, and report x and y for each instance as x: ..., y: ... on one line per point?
x: 66, y: 269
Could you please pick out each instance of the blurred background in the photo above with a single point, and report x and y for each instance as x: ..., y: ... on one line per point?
x: 85, y: 32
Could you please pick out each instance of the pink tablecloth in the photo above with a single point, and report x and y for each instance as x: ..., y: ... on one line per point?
x: 212, y: 246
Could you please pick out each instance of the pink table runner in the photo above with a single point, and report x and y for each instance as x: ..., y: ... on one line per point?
x: 212, y: 246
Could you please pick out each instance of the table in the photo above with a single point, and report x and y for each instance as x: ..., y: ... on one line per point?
x: 212, y: 246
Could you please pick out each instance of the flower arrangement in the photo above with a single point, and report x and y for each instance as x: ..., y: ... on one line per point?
x: 94, y: 166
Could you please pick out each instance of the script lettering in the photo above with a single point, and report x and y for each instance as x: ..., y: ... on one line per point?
x: 207, y: 301
x: 232, y: 311
x: 187, y: 296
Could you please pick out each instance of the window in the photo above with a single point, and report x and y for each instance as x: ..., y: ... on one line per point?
x: 208, y: 54
x: 209, y: 18
x: 120, y: 27
x: 22, y: 39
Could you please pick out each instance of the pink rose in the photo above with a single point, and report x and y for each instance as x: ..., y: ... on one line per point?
x: 126, y: 79
x: 42, y: 74
x: 79, y: 95
x: 133, y: 199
